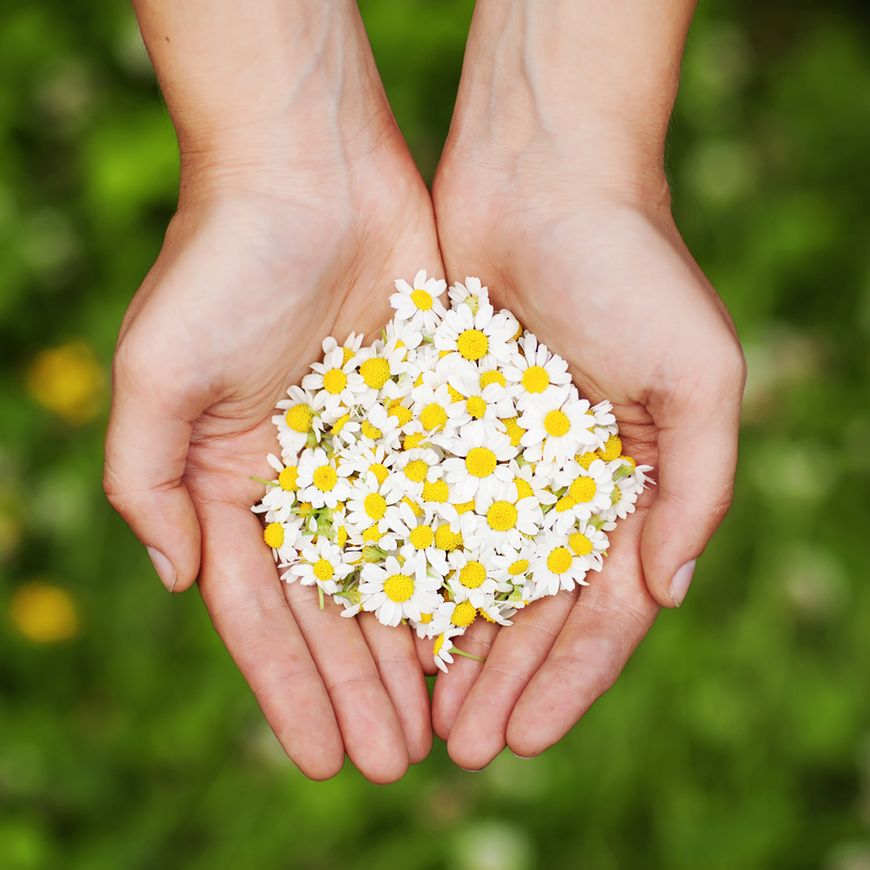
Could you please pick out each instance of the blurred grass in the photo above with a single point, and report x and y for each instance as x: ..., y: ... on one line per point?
x: 739, y: 736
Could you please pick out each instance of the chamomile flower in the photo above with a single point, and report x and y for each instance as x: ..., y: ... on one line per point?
x: 332, y: 381
x: 281, y: 493
x: 478, y: 466
x: 418, y: 302
x: 442, y: 647
x: 472, y: 579
x: 320, y: 563
x: 507, y: 519
x: 472, y: 294
x: 282, y: 538
x: 557, y: 429
x: 588, y: 545
x: 378, y: 366
x: 538, y: 374
x: 379, y: 427
x: 484, y: 337
x: 370, y: 501
x: 587, y: 490
x: 555, y: 567
x: 349, y: 349
x: 415, y: 468
x: 473, y: 402
x: 393, y: 594
x: 321, y: 482
x: 299, y: 423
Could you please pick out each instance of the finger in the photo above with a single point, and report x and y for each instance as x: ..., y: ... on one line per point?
x: 242, y: 592
x: 608, y: 621
x: 478, y: 734
x: 146, y: 455
x: 426, y: 656
x: 452, y: 687
x: 697, y: 446
x: 368, y: 723
x: 395, y: 655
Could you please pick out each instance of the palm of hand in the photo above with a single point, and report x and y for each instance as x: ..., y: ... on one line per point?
x: 620, y: 298
x: 231, y: 314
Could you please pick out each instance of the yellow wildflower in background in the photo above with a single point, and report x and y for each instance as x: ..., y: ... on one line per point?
x: 69, y: 381
x: 44, y: 613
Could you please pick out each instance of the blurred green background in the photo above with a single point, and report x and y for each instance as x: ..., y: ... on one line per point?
x: 739, y: 736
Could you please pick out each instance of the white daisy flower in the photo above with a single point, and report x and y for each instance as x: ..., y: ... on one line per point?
x: 349, y: 349
x: 556, y: 430
x: 478, y: 466
x: 298, y: 424
x: 332, y: 381
x: 442, y: 647
x: 507, y: 519
x: 282, y: 537
x: 341, y: 425
x: 429, y: 403
x: 512, y: 565
x: 392, y: 594
x: 379, y: 364
x: 415, y: 468
x: 472, y: 294
x: 589, y: 546
x: 321, y: 563
x: 453, y: 615
x: 538, y: 374
x: 363, y: 457
x: 321, y: 482
x: 587, y: 491
x: 555, y: 567
x: 419, y: 301
x: 379, y: 427
x: 281, y: 493
x: 471, y: 402
x: 484, y: 337
x: 369, y: 501
x: 472, y: 579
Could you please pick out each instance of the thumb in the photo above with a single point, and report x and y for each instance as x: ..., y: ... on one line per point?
x: 697, y: 455
x: 146, y: 455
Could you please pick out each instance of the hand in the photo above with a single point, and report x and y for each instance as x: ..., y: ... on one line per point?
x: 255, y: 270
x: 601, y: 275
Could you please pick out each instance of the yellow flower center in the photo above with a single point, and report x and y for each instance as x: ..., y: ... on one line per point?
x: 415, y: 439
x: 287, y: 478
x: 433, y: 416
x: 421, y: 537
x: 557, y: 423
x: 559, y: 561
x: 341, y: 537
x: 425, y: 618
x: 380, y: 471
x: 472, y: 344
x: 334, y: 381
x: 612, y: 449
x: 472, y: 575
x: 501, y: 516
x: 435, y: 490
x: 436, y: 647
x: 630, y: 461
x: 492, y: 377
x: 616, y: 495
x: 463, y: 614
x: 370, y: 431
x: 518, y: 567
x: 446, y: 539
x: 346, y: 355
x: 586, y: 459
x: 401, y: 413
x: 514, y: 431
x: 464, y: 507
x: 375, y: 372
x: 583, y: 489
x: 422, y: 299
x: 480, y: 461
x: 418, y: 511
x: 323, y: 569
x: 371, y: 535
x: 564, y: 504
x: 475, y: 406
x: 298, y: 418
x: 305, y: 508
x: 325, y: 478
x: 524, y: 488
x: 399, y: 587
x: 339, y: 424
x: 375, y: 505
x: 273, y: 535
x: 535, y: 379
x: 580, y: 544
x: 416, y: 470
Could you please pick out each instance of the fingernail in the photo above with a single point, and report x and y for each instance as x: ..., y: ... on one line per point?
x: 164, y: 568
x: 681, y: 581
x: 523, y: 757
x: 470, y: 769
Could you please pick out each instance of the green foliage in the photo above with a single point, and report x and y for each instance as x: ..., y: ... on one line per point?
x: 739, y: 735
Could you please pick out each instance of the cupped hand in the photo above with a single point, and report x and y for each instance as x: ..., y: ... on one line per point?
x: 606, y: 281
x: 254, y: 272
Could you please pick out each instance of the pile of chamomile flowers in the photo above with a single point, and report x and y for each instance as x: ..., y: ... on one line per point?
x: 448, y: 472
